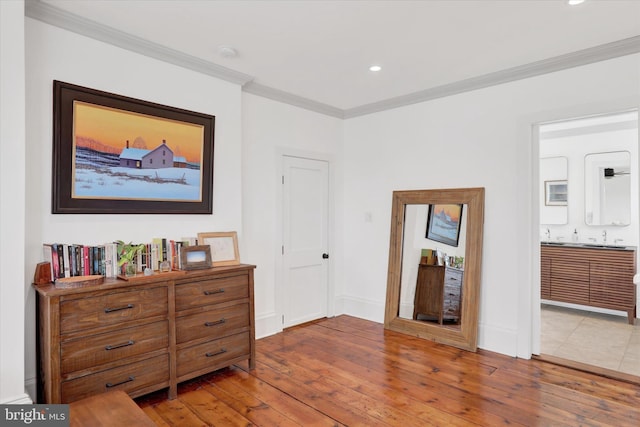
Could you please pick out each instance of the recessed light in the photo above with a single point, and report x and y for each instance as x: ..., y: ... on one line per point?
x: 227, y: 52
x: 375, y: 68
x: 575, y: 2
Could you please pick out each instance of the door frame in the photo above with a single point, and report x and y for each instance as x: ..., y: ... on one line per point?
x: 529, y: 317
x: 282, y: 152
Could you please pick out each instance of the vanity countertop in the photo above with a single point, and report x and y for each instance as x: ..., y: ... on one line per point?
x: 589, y: 246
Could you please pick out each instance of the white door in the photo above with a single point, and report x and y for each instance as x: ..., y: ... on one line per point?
x: 305, y: 247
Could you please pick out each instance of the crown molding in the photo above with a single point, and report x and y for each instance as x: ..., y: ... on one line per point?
x: 54, y: 16
x: 289, y: 98
x: 587, y: 56
x: 60, y: 18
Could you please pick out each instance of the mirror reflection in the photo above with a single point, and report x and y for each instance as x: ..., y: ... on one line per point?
x: 607, y: 188
x: 433, y: 263
x: 435, y: 253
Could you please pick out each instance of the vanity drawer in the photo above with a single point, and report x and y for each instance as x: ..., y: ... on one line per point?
x: 213, y: 323
x: 213, y: 291
x: 112, y: 308
x: 129, y: 378
x: 98, y: 349
x: 212, y: 353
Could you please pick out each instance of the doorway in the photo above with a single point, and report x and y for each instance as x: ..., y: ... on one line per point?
x: 579, y: 161
x: 305, y: 261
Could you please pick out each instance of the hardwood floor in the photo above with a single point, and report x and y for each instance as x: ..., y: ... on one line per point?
x: 351, y: 372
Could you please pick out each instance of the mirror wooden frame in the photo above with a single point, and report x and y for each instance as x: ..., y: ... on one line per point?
x: 466, y: 336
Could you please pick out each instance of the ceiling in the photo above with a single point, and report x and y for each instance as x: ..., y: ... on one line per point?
x: 320, y: 51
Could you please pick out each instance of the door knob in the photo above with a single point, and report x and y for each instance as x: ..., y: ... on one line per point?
x: 325, y: 256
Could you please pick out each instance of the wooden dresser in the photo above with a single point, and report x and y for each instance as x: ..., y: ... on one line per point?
x: 438, y: 294
x: 596, y: 277
x: 143, y: 334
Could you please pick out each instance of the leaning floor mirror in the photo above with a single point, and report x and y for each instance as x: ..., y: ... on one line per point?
x: 435, y: 255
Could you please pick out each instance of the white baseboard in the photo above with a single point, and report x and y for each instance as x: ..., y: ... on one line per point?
x: 22, y: 399
x: 362, y: 308
x: 268, y: 324
x: 498, y: 339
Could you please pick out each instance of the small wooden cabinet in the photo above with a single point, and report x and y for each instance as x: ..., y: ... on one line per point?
x: 589, y: 276
x: 438, y: 294
x: 144, y: 334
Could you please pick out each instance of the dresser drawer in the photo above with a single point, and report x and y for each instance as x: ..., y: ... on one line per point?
x: 213, y: 353
x: 98, y: 349
x: 112, y: 308
x: 453, y: 278
x: 129, y: 378
x: 213, y: 323
x: 212, y: 291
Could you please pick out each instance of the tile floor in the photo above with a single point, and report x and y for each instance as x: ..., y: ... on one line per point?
x: 597, y: 339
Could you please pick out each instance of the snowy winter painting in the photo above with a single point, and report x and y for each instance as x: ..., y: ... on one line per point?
x: 443, y: 224
x: 125, y: 157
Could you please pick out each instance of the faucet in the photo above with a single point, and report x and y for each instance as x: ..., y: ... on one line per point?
x: 548, y: 234
x: 604, y: 236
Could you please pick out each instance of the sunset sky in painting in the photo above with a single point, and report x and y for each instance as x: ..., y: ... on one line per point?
x: 114, y: 127
x: 452, y: 210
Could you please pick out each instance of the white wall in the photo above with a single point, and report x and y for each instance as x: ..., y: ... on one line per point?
x: 476, y: 139
x: 53, y: 53
x: 12, y: 206
x: 271, y: 129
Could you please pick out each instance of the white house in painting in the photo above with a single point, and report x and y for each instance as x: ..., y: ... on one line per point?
x: 158, y: 158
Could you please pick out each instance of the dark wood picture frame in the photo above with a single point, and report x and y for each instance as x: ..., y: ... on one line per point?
x: 444, y: 229
x: 64, y: 201
x: 195, y: 257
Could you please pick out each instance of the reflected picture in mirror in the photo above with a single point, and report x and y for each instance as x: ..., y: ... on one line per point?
x: 429, y: 299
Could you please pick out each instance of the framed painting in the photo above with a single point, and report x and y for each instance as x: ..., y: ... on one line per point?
x: 443, y: 223
x: 224, y: 247
x: 118, y: 155
x: 556, y: 193
x: 195, y: 257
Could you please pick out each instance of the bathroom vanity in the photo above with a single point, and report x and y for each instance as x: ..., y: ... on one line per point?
x: 591, y: 275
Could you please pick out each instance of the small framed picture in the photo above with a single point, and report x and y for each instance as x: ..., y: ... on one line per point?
x: 195, y: 257
x: 555, y: 193
x: 443, y: 224
x: 224, y: 247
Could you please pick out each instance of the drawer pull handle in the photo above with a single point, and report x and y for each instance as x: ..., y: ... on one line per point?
x: 217, y: 322
x: 222, y: 351
x: 124, y: 344
x: 219, y: 291
x: 110, y: 310
x: 128, y: 380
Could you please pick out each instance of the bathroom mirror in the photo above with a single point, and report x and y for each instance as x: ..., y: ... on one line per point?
x: 409, y: 209
x: 607, y: 185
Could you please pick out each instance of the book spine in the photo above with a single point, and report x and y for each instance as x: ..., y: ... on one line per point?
x: 108, y: 259
x: 60, y: 251
x: 67, y: 260
x: 95, y: 268
x: 101, y: 264
x: 85, y: 261
x: 165, y: 252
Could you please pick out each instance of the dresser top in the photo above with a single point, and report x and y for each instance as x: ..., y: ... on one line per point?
x: 51, y: 290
